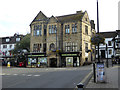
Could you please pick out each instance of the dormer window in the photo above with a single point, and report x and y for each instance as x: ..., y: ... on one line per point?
x: 17, y: 39
x: 7, y: 40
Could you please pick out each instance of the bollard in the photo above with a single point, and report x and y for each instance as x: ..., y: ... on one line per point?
x: 80, y: 86
x: 8, y: 64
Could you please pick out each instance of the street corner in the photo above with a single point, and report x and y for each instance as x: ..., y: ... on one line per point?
x: 85, y: 81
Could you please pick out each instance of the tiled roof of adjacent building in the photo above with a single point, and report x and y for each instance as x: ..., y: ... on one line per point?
x: 109, y: 34
x: 12, y: 39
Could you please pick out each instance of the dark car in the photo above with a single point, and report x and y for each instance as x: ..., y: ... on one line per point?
x: 116, y: 60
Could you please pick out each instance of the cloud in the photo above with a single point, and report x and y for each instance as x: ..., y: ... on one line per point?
x: 16, y: 15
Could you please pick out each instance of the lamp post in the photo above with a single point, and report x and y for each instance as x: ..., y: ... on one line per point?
x: 98, y: 28
x: 107, y: 55
x: 94, y: 66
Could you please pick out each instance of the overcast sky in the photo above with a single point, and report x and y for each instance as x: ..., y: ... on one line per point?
x: 16, y: 15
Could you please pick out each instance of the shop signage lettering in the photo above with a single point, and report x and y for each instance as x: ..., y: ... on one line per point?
x: 35, y: 55
x: 69, y: 54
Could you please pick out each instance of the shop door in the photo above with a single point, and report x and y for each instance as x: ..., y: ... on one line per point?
x: 53, y: 62
x: 74, y: 61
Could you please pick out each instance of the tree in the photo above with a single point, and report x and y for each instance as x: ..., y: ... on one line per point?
x: 23, y: 44
x: 97, y: 39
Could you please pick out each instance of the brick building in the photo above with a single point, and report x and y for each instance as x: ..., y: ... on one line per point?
x: 62, y: 40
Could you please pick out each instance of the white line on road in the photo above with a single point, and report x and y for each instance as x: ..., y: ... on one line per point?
x: 29, y: 75
x: 36, y: 75
x: 2, y: 73
x: 15, y: 74
x: 23, y: 74
x: 8, y: 74
x: 86, y: 77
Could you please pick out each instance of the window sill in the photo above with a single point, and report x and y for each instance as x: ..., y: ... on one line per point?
x: 67, y: 33
x: 74, y: 32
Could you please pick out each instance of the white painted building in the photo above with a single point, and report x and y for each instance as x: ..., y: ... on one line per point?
x: 7, y: 44
x: 103, y: 52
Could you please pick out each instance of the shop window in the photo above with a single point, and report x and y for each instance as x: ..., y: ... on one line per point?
x: 69, y: 62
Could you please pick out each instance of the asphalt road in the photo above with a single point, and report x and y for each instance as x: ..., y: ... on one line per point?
x: 43, y: 77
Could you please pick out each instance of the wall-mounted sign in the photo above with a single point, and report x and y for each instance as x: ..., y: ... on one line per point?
x: 36, y: 55
x: 69, y: 54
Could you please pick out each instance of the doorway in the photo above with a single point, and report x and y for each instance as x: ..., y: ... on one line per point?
x: 74, y: 61
x: 53, y: 62
x: 102, y: 53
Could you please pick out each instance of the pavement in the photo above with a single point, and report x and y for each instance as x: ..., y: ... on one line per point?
x: 111, y: 83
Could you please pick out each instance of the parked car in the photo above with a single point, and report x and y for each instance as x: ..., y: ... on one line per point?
x: 116, y: 60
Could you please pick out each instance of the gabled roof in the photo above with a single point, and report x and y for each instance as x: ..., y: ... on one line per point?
x: 70, y: 17
x: 52, y: 19
x: 65, y: 18
x: 109, y: 34
x: 40, y: 17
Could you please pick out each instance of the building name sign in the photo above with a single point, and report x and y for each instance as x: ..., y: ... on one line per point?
x: 35, y: 55
x: 69, y: 54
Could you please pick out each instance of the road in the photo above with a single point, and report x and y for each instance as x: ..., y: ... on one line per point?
x: 43, y: 77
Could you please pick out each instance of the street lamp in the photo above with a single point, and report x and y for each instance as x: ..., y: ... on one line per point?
x: 98, y: 28
x: 94, y: 67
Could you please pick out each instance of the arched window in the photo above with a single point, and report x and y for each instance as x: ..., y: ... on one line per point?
x: 52, y: 46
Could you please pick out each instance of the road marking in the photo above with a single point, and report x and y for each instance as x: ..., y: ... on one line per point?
x: 82, y: 82
x: 23, y: 74
x: 15, y: 74
x: 86, y: 77
x: 2, y: 73
x: 36, y: 75
x: 116, y: 66
x: 29, y: 75
x: 8, y: 74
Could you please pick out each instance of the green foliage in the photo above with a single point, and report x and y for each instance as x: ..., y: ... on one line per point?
x: 97, y: 39
x: 23, y: 44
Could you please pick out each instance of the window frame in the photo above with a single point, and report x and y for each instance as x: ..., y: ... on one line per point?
x: 86, y: 29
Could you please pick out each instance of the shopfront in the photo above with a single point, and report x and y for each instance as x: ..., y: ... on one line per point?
x: 70, y: 59
x: 36, y: 60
